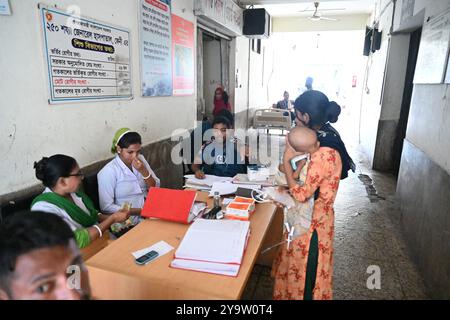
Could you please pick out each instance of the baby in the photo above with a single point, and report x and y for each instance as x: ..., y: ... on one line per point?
x: 303, y: 140
x: 299, y: 214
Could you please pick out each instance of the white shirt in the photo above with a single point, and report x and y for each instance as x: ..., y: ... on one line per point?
x: 51, y: 208
x: 117, y: 184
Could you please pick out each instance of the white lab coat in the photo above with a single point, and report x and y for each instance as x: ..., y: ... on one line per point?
x: 117, y: 185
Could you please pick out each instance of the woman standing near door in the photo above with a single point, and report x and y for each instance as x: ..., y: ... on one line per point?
x: 221, y: 101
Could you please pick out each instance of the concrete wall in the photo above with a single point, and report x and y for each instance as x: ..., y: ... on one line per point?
x: 375, y: 74
x: 424, y: 192
x: 31, y: 128
x: 391, y: 102
x: 428, y: 125
x: 260, y: 68
x: 405, y: 21
x: 382, y: 100
x: 423, y: 187
x: 251, y: 92
x: 424, y: 178
x: 241, y: 62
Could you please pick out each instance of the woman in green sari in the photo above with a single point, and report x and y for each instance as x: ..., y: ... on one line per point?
x: 62, y: 178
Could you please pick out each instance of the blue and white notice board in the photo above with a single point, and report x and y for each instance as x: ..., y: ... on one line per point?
x: 86, y: 59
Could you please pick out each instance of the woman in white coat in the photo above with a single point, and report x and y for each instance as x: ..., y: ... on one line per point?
x: 128, y: 177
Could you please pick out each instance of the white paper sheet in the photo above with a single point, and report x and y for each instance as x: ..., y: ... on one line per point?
x: 282, y: 197
x: 208, y: 181
x: 223, y: 188
x: 220, y: 241
x: 161, y: 247
x: 209, y: 267
x: 243, y: 180
x: 226, y: 188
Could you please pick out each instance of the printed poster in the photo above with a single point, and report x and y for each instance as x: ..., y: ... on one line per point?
x: 156, y: 48
x: 183, y: 56
x: 86, y: 59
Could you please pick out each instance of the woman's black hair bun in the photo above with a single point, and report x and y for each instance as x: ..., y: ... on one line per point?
x: 40, y: 168
x: 333, y: 112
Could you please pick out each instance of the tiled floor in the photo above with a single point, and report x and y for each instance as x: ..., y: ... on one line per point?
x: 367, y: 233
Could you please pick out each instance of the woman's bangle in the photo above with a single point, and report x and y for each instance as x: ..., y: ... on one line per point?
x: 149, y: 175
x: 99, y: 230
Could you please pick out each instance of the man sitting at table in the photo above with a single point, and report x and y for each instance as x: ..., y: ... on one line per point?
x: 220, y: 156
x: 40, y: 260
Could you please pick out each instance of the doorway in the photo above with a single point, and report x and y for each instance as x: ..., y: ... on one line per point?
x: 406, y: 100
x: 213, y: 68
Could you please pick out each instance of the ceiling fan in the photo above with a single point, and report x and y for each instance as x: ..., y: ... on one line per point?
x: 317, y: 16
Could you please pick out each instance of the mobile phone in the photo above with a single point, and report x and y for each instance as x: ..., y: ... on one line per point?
x: 146, y: 258
x: 297, y: 159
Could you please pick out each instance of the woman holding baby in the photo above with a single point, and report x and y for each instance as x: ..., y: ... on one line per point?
x: 304, y: 270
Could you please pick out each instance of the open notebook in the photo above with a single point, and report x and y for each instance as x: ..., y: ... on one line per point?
x: 213, y: 246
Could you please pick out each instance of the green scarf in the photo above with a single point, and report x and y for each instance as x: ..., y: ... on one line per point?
x: 75, y: 212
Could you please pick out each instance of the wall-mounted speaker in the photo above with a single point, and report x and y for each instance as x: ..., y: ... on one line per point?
x: 376, y: 40
x: 372, y: 40
x: 367, y: 41
x: 256, y: 23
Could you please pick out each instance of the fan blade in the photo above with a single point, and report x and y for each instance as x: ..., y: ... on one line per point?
x: 314, y: 18
x: 306, y: 9
x: 337, y: 9
x: 328, y: 19
x: 312, y: 10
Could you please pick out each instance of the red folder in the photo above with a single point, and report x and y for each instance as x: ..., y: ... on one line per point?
x: 169, y: 204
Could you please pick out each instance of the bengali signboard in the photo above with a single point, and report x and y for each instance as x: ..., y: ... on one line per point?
x: 156, y: 48
x: 224, y: 12
x: 86, y: 60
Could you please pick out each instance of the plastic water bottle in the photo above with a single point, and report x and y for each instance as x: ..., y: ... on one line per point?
x: 216, y: 199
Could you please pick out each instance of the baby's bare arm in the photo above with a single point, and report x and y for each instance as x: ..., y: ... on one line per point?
x: 300, y: 166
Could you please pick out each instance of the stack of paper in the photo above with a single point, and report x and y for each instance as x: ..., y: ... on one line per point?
x: 203, y: 184
x: 213, y: 246
x: 258, y: 173
x: 227, y: 188
x: 244, y: 180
